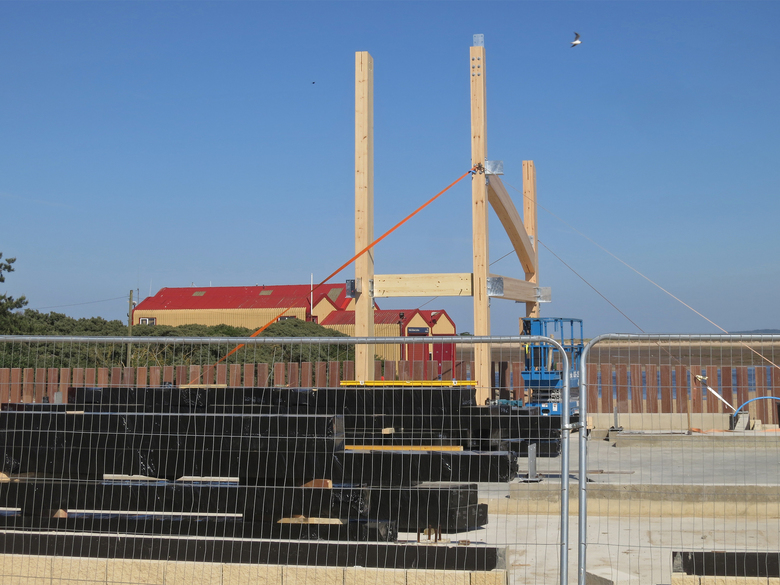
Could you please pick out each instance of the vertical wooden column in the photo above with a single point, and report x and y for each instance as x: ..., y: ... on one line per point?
x: 364, y: 210
x: 479, y: 215
x: 529, y: 220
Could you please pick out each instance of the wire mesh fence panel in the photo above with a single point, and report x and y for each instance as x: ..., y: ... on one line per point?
x: 683, y: 459
x: 214, y: 460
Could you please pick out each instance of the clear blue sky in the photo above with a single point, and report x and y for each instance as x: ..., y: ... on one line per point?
x: 152, y: 144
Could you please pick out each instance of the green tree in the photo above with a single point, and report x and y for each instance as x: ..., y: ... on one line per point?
x: 8, y: 304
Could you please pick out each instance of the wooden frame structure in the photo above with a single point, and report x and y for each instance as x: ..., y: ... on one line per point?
x: 486, y: 189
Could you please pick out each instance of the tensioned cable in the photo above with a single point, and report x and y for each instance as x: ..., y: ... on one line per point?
x: 77, y: 304
x: 647, y: 278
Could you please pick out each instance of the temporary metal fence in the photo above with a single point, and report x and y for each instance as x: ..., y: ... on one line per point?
x: 674, y: 485
x: 240, y: 460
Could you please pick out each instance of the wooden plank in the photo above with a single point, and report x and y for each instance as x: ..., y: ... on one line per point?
x: 40, y: 384
x: 697, y: 404
x: 593, y: 405
x: 762, y: 409
x: 141, y: 376
x: 423, y: 285
x: 418, y: 370
x: 155, y: 374
x: 194, y: 375
x: 306, y: 374
x: 5, y: 384
x: 15, y: 389
x: 280, y: 378
x: 263, y: 375
x: 348, y: 370
x: 529, y: 220
x: 90, y: 377
x: 378, y: 372
x: 320, y: 374
x: 249, y: 375
x: 102, y: 376
x: 681, y: 384
x: 621, y: 391
x: 115, y: 376
x: 181, y: 375
x: 209, y: 374
x: 651, y: 382
x: 78, y: 377
x: 637, y: 389
x: 390, y: 373
x: 507, y: 213
x: 222, y: 373
x: 607, y: 399
x: 775, y: 377
x: 128, y: 376
x: 234, y: 374
x: 404, y: 370
x: 479, y: 221
x: 52, y: 383
x: 64, y: 383
x: 713, y: 404
x: 364, y: 210
x: 667, y: 405
x: 293, y: 380
x: 726, y: 386
x: 334, y: 374
x: 741, y: 392
x: 516, y: 290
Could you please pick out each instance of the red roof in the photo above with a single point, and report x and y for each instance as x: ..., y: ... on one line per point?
x: 242, y: 297
x: 384, y: 317
x: 387, y: 317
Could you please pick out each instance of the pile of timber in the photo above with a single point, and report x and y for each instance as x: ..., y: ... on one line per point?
x: 264, y: 475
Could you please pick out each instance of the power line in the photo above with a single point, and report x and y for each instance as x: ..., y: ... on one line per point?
x: 78, y: 304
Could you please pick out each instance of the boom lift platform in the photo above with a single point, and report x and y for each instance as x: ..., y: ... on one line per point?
x: 543, y: 370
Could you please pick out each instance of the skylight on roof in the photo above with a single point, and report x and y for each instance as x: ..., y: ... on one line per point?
x: 199, y: 293
x: 334, y: 293
x: 265, y: 292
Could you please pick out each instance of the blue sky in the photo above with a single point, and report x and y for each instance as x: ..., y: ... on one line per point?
x: 152, y: 144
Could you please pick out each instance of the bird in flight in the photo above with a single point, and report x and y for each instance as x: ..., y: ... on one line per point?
x: 576, y: 40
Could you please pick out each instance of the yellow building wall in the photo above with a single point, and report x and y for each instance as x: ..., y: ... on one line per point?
x: 443, y: 327
x: 322, y: 309
x: 382, y: 351
x: 249, y: 318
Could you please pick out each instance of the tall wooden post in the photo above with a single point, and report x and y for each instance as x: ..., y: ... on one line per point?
x: 364, y: 210
x: 529, y: 219
x: 479, y: 214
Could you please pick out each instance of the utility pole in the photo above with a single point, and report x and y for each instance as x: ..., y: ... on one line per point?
x: 129, y: 327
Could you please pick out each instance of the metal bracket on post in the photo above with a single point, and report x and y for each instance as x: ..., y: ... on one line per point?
x: 543, y: 294
x: 479, y: 41
x: 354, y: 288
x: 494, y: 167
x: 495, y: 286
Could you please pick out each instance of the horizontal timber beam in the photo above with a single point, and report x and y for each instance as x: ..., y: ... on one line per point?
x: 513, y: 225
x: 423, y: 285
x: 516, y: 290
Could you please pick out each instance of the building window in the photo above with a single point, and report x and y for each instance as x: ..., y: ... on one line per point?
x: 148, y: 321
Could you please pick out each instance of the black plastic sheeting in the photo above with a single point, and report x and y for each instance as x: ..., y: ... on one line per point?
x: 274, y: 552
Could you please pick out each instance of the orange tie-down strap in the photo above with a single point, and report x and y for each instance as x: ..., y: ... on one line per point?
x: 473, y: 170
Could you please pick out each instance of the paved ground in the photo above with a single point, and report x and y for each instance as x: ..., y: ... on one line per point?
x: 633, y: 542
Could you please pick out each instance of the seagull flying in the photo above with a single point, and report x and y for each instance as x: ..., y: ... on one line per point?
x: 576, y: 40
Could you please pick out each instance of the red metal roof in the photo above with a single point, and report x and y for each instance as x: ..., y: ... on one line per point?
x: 242, y: 297
x: 385, y: 316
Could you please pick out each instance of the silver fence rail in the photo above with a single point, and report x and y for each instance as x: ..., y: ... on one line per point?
x: 680, y: 467
x: 242, y: 460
